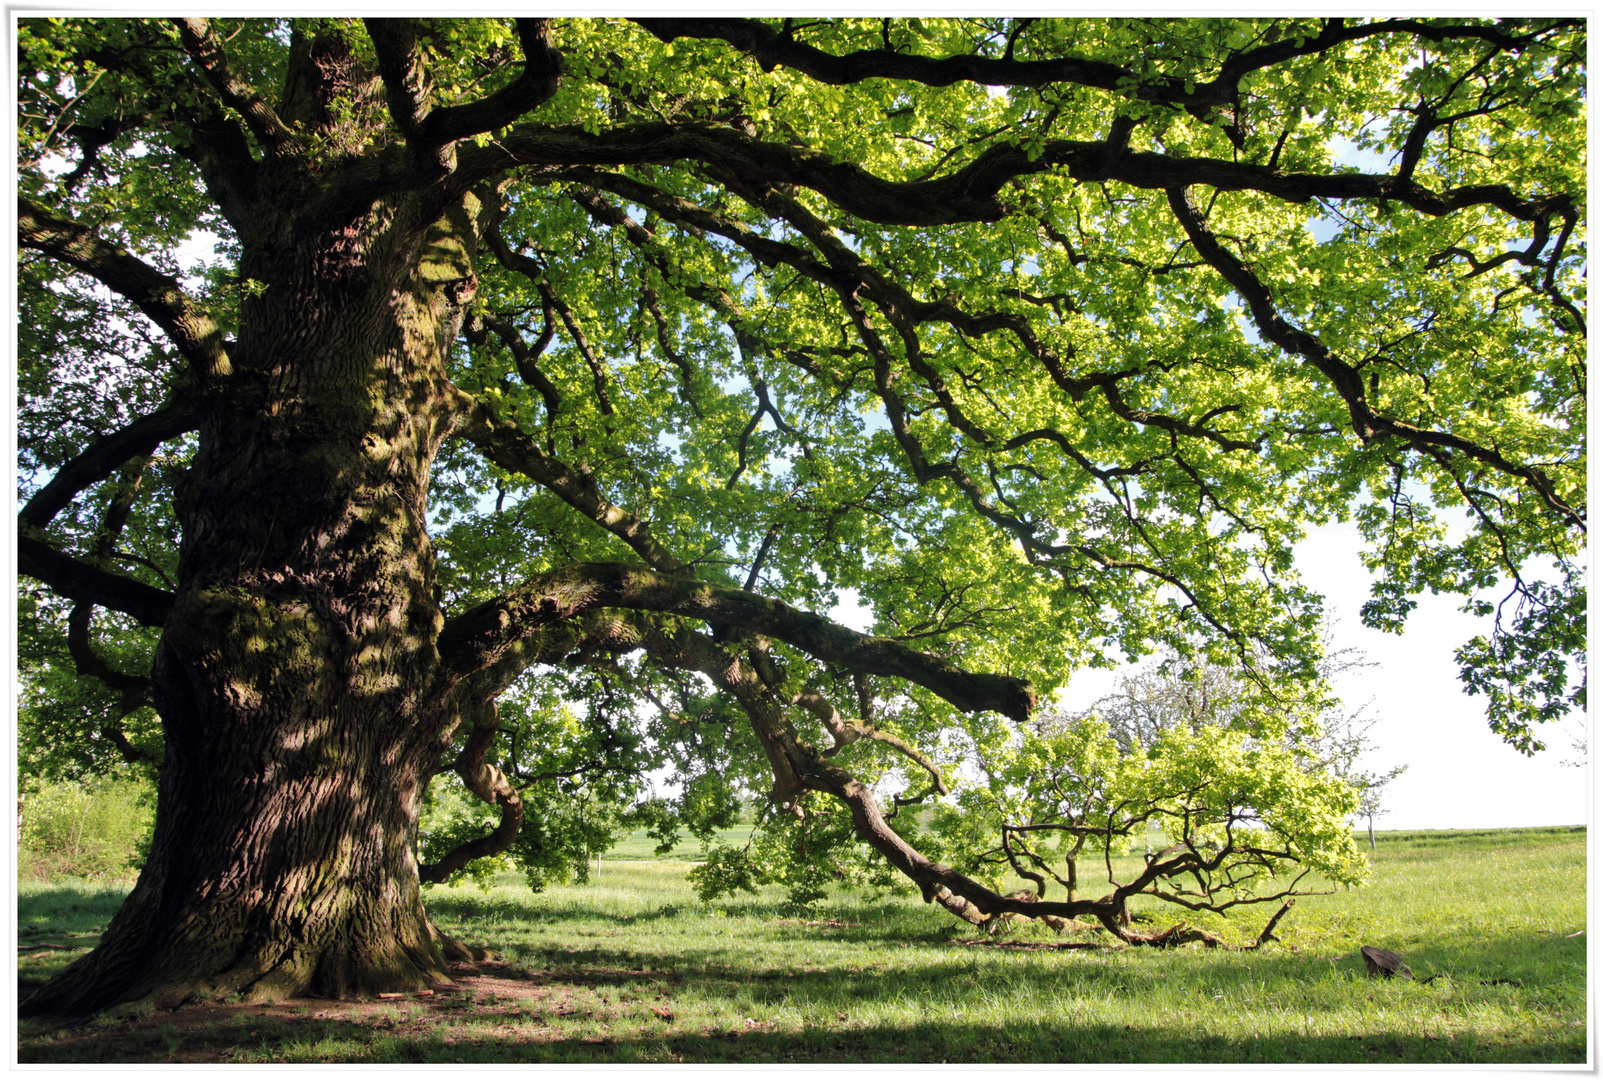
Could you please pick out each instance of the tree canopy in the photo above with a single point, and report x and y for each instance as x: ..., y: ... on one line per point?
x: 552, y: 383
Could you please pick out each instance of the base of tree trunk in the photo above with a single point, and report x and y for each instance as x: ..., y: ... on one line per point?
x: 272, y: 968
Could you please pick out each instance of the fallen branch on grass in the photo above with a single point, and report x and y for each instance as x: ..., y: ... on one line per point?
x: 1033, y: 946
x: 1269, y: 927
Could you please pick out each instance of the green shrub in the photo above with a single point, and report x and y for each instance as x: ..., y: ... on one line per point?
x: 94, y: 828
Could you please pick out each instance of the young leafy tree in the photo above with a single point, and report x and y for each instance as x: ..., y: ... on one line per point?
x: 1224, y: 819
x: 1170, y: 694
x: 1281, y: 783
x: 542, y: 344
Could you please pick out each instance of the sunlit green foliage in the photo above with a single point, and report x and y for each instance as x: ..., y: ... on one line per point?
x: 1075, y: 409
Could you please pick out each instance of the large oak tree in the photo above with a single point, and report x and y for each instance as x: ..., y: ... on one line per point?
x: 540, y: 346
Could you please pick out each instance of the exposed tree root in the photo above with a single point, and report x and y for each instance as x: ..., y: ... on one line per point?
x: 458, y: 952
x: 1178, y: 934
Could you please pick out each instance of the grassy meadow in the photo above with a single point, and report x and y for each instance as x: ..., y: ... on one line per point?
x: 633, y: 968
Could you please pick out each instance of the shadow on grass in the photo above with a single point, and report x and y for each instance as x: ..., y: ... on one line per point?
x: 1483, y: 956
x: 57, y: 925
x: 597, y: 1005
x: 1526, y: 960
x: 65, y: 904
x: 1042, y: 1041
x: 1027, y: 1040
x: 526, y: 1020
x: 1546, y: 972
x: 537, y: 909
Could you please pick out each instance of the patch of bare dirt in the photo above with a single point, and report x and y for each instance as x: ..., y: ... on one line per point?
x: 481, y: 992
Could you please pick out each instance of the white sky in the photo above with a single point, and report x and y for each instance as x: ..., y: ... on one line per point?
x: 1460, y: 774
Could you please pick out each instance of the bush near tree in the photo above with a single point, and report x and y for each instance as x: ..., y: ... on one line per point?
x: 85, y: 829
x: 553, y: 381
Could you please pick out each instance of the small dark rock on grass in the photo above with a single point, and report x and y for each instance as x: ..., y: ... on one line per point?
x: 1384, y: 962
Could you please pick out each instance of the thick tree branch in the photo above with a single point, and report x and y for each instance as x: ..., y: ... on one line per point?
x: 490, y: 785
x: 409, y: 93
x: 969, y: 193
x: 514, y: 450
x: 132, y: 754
x: 429, y: 153
x: 135, y: 690
x: 1267, y: 934
x: 487, y: 672
x: 553, y: 308
x: 525, y: 357
x: 104, y: 455
x: 158, y: 295
x: 401, y: 65
x: 222, y: 152
x: 478, y: 637
x: 847, y: 731
x: 207, y: 51
x: 542, y: 71
x: 799, y: 767
x: 78, y: 580
x: 1343, y: 377
x: 772, y: 47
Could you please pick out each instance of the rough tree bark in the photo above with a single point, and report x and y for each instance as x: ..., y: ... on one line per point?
x: 295, y: 665
x: 297, y: 675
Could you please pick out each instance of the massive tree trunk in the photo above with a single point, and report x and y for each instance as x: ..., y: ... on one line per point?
x: 297, y: 673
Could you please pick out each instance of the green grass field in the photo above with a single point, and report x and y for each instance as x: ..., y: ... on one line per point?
x: 633, y: 968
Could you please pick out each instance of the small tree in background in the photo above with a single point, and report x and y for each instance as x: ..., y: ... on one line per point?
x: 1577, y: 733
x: 1345, y: 741
x: 1175, y: 695
x: 1243, y: 820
